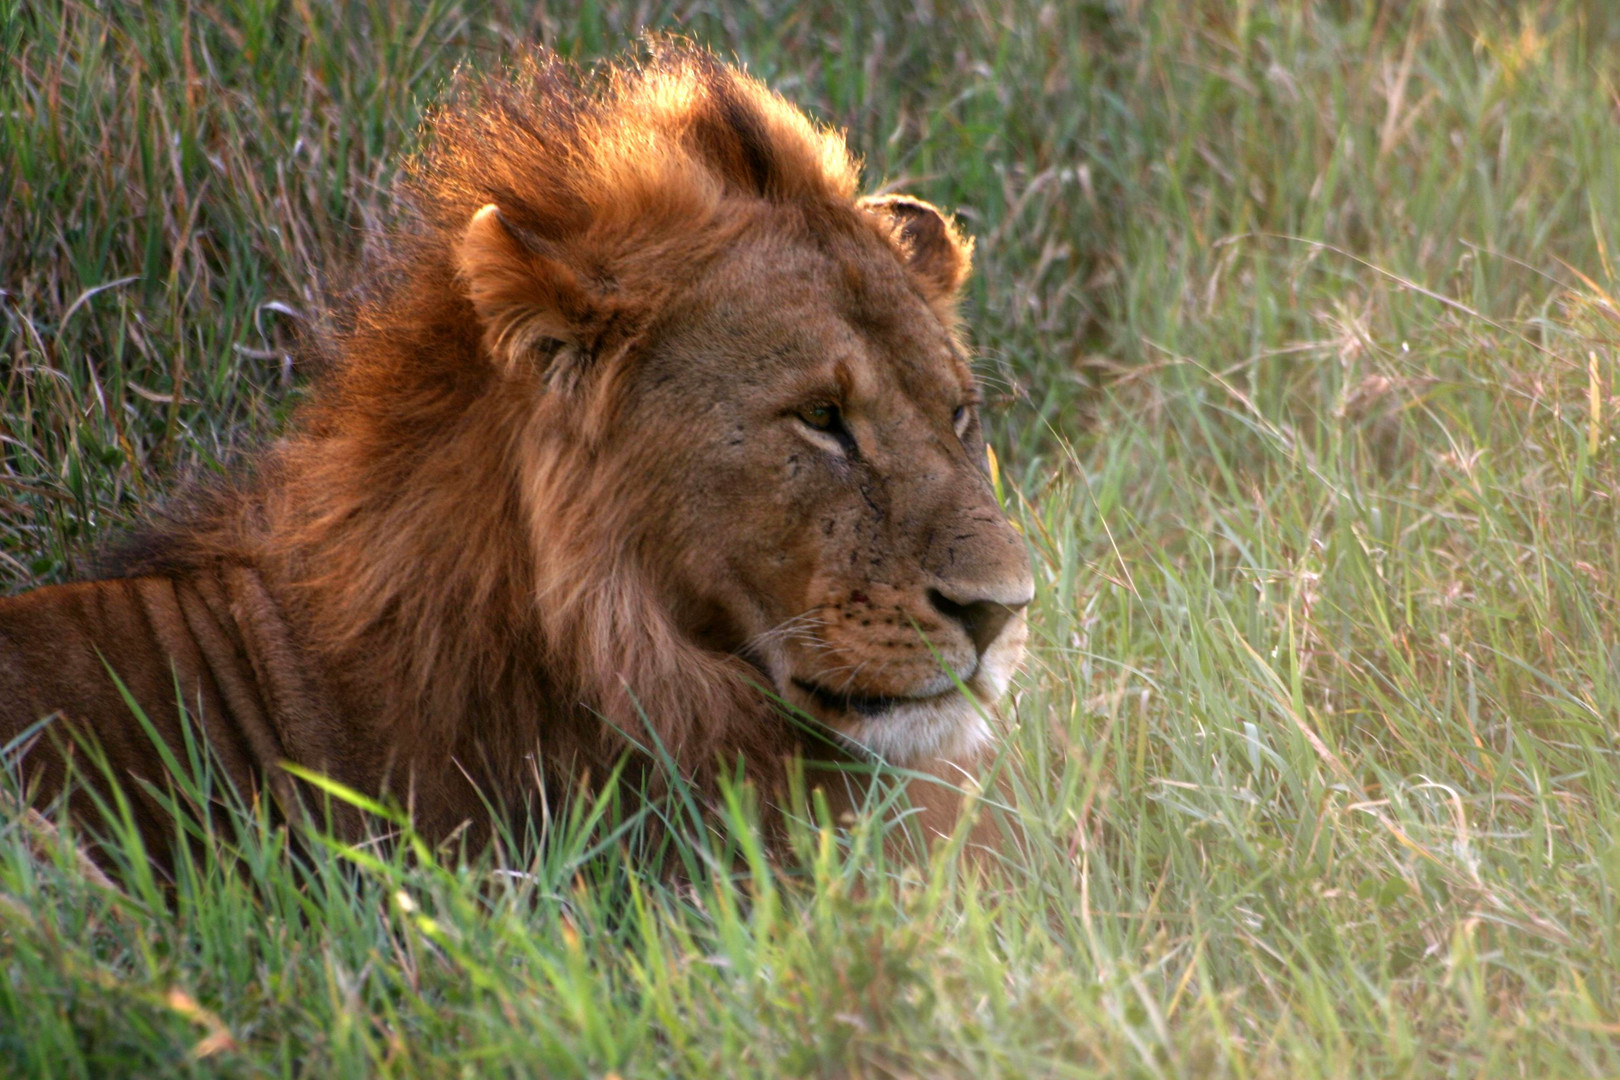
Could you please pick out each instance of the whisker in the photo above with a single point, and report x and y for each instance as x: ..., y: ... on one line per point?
x: 788, y: 628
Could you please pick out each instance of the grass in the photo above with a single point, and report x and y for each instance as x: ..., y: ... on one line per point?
x: 1298, y: 328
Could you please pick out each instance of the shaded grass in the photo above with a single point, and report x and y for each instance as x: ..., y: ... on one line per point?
x: 1296, y: 321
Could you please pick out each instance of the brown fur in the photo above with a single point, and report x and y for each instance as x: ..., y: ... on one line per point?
x: 557, y: 497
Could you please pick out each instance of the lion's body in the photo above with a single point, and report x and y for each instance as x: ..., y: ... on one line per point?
x: 568, y: 487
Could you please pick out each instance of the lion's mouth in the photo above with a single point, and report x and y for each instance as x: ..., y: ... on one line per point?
x: 866, y: 704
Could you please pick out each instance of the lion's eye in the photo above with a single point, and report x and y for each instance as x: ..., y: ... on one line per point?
x: 959, y: 419
x: 821, y: 417
x: 827, y: 422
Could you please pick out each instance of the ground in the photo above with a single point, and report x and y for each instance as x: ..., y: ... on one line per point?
x: 1297, y: 330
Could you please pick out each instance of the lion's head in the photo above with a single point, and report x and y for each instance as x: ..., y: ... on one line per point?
x: 759, y: 375
x: 641, y: 419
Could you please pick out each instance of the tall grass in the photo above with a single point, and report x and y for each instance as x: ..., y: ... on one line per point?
x: 1297, y: 323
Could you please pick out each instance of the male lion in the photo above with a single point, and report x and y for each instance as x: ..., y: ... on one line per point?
x: 640, y: 425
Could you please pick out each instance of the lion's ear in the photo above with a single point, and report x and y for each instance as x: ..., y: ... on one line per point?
x: 935, y: 252
x: 527, y: 302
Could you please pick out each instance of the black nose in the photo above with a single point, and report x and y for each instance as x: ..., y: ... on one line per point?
x: 982, y: 619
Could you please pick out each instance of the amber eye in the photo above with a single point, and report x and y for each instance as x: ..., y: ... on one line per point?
x: 820, y: 417
x: 959, y: 419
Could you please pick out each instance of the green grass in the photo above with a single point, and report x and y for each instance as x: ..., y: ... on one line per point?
x: 1297, y: 326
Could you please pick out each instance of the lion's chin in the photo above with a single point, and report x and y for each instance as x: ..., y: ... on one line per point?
x: 948, y: 726
x: 951, y: 725
x: 947, y: 723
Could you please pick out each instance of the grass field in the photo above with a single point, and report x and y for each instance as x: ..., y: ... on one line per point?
x: 1297, y: 328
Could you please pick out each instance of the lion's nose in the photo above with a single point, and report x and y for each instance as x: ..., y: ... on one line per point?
x: 982, y: 617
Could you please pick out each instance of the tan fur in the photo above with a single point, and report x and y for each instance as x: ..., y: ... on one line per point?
x: 558, y: 498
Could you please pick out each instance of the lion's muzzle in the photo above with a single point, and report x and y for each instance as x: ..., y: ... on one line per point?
x: 912, y: 677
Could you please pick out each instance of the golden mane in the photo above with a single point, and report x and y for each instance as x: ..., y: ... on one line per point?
x: 626, y: 156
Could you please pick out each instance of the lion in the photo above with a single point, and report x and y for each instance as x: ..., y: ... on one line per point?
x: 642, y: 435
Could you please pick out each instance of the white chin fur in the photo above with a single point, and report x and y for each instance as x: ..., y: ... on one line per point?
x: 911, y: 734
x: 954, y: 727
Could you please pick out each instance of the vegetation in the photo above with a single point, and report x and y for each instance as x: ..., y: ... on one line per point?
x: 1298, y: 324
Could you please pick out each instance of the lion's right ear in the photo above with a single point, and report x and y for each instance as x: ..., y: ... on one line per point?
x: 527, y: 302
x: 933, y: 249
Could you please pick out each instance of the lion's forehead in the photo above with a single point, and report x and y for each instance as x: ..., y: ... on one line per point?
x: 808, y: 353
x: 772, y: 309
